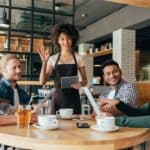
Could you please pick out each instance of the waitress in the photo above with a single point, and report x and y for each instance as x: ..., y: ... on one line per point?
x: 64, y: 64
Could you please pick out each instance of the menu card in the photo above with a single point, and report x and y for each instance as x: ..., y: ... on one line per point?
x: 91, y: 100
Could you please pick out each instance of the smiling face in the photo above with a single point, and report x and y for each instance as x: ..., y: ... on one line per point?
x: 65, y: 42
x: 112, y: 75
x: 12, y: 70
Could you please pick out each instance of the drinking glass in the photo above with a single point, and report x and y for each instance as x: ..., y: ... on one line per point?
x: 27, y: 115
x: 23, y: 116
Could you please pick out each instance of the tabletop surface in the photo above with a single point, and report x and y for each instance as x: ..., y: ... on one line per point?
x: 68, y: 136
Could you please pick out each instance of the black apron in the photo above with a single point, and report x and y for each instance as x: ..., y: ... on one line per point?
x: 68, y: 97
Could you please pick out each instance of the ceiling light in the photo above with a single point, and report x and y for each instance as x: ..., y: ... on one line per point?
x: 84, y: 15
x: 2, y: 32
x: 57, y: 8
x: 4, y: 22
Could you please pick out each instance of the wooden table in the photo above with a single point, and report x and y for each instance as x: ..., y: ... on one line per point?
x: 68, y: 137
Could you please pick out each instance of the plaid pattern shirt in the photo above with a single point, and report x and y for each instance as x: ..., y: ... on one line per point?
x: 125, y: 92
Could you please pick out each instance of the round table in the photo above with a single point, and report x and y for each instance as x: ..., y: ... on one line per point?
x: 69, y: 137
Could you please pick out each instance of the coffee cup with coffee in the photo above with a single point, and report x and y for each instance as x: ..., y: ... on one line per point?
x: 105, y: 123
x: 65, y: 113
x: 46, y: 121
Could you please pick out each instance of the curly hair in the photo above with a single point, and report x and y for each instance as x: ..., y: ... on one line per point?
x: 67, y: 29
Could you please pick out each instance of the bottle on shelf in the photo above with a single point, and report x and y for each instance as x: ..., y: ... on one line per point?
x: 91, y: 50
x: 96, y: 50
x: 110, y: 45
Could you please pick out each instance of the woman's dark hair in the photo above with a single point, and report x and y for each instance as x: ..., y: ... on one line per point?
x: 67, y: 29
x: 108, y: 63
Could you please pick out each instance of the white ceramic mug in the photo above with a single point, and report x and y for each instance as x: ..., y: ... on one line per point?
x: 46, y: 121
x: 65, y: 112
x: 106, y: 123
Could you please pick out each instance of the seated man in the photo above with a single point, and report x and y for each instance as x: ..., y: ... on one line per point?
x: 11, y: 73
x: 117, y: 88
x: 10, y: 93
x: 9, y: 90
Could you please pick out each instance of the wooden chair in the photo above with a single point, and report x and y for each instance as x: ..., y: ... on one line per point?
x: 143, y: 92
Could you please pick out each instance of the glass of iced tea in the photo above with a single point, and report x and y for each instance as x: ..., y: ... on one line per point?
x: 23, y: 116
x: 27, y: 115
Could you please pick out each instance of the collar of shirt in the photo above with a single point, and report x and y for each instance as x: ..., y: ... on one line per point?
x: 8, y: 83
x: 118, y: 85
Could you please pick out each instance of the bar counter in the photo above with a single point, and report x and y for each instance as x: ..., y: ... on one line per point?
x: 142, y: 88
x: 51, y: 83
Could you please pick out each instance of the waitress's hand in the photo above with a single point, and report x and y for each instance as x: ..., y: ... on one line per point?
x: 44, y: 54
x: 76, y: 85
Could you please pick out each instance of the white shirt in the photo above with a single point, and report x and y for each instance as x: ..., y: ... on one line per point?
x: 111, y: 94
x: 16, y: 98
x: 53, y: 58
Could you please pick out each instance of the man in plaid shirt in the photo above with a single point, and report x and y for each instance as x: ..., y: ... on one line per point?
x: 117, y: 89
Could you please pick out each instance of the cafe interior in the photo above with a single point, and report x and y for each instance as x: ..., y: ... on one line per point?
x: 108, y: 29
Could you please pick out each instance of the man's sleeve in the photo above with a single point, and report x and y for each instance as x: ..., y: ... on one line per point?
x: 128, y: 95
x: 139, y: 121
x: 132, y: 111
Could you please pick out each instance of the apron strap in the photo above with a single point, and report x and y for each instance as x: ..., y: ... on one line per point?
x: 75, y: 59
x: 57, y: 60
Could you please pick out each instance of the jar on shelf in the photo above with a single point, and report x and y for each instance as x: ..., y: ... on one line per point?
x: 91, y: 50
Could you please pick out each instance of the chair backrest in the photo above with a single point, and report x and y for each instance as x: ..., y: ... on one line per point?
x: 143, y: 92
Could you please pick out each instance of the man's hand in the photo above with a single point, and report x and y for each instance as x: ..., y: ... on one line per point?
x: 109, y: 106
x: 12, y: 111
x: 33, y: 117
x: 102, y: 114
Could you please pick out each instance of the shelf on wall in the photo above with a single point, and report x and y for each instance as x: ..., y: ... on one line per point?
x: 99, y: 53
x: 10, y: 52
x: 28, y: 34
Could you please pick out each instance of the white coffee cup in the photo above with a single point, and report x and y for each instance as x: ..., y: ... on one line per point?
x: 65, y: 112
x: 106, y: 123
x: 46, y: 121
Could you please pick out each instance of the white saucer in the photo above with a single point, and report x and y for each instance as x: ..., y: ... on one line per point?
x: 95, y: 127
x: 36, y: 125
x: 67, y: 118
